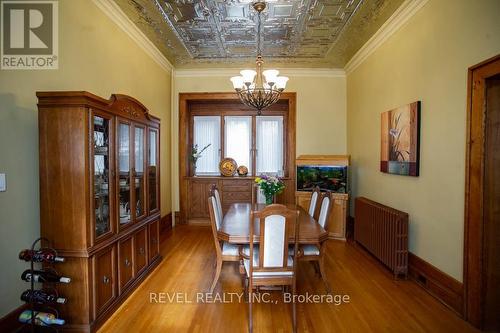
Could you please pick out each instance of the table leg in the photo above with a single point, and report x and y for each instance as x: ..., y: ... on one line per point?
x: 322, y: 267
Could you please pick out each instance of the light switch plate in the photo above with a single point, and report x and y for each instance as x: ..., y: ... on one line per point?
x: 3, y: 184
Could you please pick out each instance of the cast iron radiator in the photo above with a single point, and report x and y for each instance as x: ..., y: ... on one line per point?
x: 383, y: 231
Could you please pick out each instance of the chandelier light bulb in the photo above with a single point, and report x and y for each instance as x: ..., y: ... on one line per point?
x: 248, y: 75
x: 270, y: 75
x: 238, y: 82
x: 281, y: 82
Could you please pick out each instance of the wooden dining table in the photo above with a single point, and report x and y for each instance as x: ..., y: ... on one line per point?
x: 235, y: 228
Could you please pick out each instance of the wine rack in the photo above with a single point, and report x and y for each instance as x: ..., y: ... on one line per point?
x: 41, y: 252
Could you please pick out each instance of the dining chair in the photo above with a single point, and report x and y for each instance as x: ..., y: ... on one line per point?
x: 224, y: 250
x: 315, y: 252
x: 215, y: 192
x: 316, y: 193
x: 269, y: 263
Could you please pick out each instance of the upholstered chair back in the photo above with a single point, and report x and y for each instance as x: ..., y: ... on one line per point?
x: 314, y: 200
x: 324, y: 211
x: 219, y: 203
x: 215, y: 222
x: 276, y: 226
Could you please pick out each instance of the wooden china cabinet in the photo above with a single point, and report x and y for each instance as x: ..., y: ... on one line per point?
x: 99, y: 198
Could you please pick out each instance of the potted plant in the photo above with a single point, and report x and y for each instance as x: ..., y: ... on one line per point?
x: 195, y: 155
x: 270, y: 186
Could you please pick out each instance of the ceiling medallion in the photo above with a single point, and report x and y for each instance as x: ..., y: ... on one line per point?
x: 259, y: 89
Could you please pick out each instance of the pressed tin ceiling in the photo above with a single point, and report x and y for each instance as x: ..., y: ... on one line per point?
x: 222, y: 33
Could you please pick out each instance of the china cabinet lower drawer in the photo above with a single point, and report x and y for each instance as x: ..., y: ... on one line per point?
x: 141, y: 250
x: 154, y: 240
x: 125, y: 263
x: 104, y: 278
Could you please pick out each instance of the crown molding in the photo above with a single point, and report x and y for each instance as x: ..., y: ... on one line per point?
x: 114, y: 12
x: 293, y: 72
x: 393, y: 24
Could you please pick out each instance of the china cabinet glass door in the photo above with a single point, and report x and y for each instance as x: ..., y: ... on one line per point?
x: 124, y: 173
x: 102, y: 159
x: 153, y: 162
x: 139, y: 178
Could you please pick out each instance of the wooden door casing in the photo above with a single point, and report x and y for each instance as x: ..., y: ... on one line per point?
x: 474, y: 251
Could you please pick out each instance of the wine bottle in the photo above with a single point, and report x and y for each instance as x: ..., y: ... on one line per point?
x: 42, y: 255
x: 41, y: 297
x: 41, y: 318
x: 43, y: 276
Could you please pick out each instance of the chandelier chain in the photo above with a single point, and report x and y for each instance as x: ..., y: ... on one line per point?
x: 258, y: 34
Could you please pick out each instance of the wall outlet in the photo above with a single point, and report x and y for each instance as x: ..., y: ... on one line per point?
x: 3, y: 183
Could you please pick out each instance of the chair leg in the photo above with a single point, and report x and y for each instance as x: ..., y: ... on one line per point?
x: 317, y: 270
x: 323, y: 275
x: 250, y: 301
x: 242, y: 267
x: 245, y: 284
x: 217, y: 273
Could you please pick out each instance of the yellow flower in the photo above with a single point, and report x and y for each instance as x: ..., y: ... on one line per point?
x: 257, y: 179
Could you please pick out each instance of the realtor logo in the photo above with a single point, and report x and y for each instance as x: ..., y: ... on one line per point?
x: 29, y: 34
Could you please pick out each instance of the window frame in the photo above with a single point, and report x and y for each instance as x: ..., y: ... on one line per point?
x: 253, y: 114
x: 221, y: 143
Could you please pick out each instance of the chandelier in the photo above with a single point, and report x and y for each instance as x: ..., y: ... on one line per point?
x: 259, y: 89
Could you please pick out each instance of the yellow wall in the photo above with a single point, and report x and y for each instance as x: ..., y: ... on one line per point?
x: 426, y: 60
x: 95, y: 55
x: 321, y: 112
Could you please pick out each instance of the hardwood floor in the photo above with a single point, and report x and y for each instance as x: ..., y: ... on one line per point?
x: 377, y: 302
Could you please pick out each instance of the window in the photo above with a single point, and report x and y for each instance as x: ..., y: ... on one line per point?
x: 269, y: 137
x: 206, y: 130
x: 238, y: 140
x: 256, y: 142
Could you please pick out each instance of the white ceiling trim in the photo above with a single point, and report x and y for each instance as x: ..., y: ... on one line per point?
x: 111, y: 9
x: 293, y: 72
x: 396, y: 21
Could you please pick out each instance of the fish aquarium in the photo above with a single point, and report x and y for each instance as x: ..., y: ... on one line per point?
x: 332, y: 178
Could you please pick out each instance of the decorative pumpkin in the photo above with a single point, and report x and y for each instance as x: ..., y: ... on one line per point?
x: 242, y: 170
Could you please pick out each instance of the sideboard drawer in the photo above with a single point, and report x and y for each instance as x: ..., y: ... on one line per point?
x: 236, y: 182
x: 240, y: 188
x: 228, y: 197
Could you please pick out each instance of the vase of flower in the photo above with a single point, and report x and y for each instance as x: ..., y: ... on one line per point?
x: 270, y: 186
x: 195, y: 155
x: 269, y: 199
